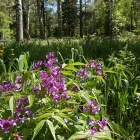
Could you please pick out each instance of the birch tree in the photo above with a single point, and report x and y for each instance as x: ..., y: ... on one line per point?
x: 19, y: 21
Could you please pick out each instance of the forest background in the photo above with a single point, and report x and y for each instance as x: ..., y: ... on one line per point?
x: 105, y: 31
x: 26, y: 19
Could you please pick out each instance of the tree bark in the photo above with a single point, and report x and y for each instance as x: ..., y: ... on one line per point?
x: 19, y: 21
x: 59, y: 11
x: 81, y: 20
x: 40, y: 6
x: 26, y: 19
x: 108, y: 18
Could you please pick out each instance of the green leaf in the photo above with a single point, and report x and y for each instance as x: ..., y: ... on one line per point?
x: 135, y: 89
x: 118, y: 130
x: 25, y: 62
x: 79, y: 135
x: 64, y: 116
x: 31, y: 100
x: 60, y: 120
x: 3, y: 65
x: 109, y: 71
x: 52, y: 128
x: 21, y: 62
x: 66, y: 110
x: 38, y: 128
x: 123, y: 100
x: 77, y: 63
x: 67, y: 73
x: 46, y: 115
x: 102, y: 135
x: 25, y: 77
x: 12, y: 104
x: 70, y: 67
x: 26, y: 133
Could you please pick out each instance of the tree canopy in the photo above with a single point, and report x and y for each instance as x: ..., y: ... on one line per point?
x: 68, y: 18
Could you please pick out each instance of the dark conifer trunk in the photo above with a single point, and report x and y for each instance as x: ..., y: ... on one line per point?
x: 81, y: 20
x: 59, y: 10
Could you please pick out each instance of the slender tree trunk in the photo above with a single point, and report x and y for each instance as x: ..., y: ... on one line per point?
x: 40, y: 14
x: 107, y: 27
x: 44, y: 23
x: 19, y: 21
x: 26, y: 17
x: 35, y: 19
x: 59, y: 10
x: 81, y: 20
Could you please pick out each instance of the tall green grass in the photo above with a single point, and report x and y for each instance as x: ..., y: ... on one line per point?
x: 121, y: 62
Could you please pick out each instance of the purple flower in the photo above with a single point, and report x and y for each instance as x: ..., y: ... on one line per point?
x: 93, y: 65
x: 99, y: 72
x: 93, y: 122
x: 6, y: 86
x: 56, y: 98
x: 49, y: 55
x: 96, y: 109
x: 91, y: 103
x: 36, y: 65
x: 92, y: 131
x: 103, y: 124
x: 85, y: 109
x: 18, y: 79
x: 23, y: 101
x: 35, y: 88
x: 43, y: 74
x: 6, y: 124
x: 82, y: 74
x: 75, y: 89
x: 22, y: 113
x: 18, y: 137
x: 96, y: 65
x: 21, y: 120
x: 65, y: 95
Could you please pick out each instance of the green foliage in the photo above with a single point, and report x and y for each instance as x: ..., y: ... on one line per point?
x: 117, y: 93
x: 5, y: 21
x: 56, y: 120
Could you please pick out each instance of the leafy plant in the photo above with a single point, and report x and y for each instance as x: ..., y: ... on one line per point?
x: 55, y: 102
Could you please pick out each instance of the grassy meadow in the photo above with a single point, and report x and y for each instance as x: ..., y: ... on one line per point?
x: 100, y: 96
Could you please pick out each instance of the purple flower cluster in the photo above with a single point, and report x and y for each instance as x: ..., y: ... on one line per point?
x: 52, y: 79
x: 20, y: 115
x: 36, y: 65
x: 96, y: 65
x: 22, y: 112
x: 22, y: 101
x: 6, y: 86
x: 55, y: 85
x: 9, y: 86
x: 82, y: 74
x: 75, y: 89
x: 6, y: 125
x: 18, y: 80
x: 18, y: 137
x: 96, y: 126
x: 91, y: 107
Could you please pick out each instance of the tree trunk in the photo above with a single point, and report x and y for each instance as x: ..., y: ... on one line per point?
x: 81, y: 20
x: 59, y: 11
x: 19, y: 21
x: 108, y: 17
x: 40, y: 6
x: 43, y: 5
x: 26, y: 14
